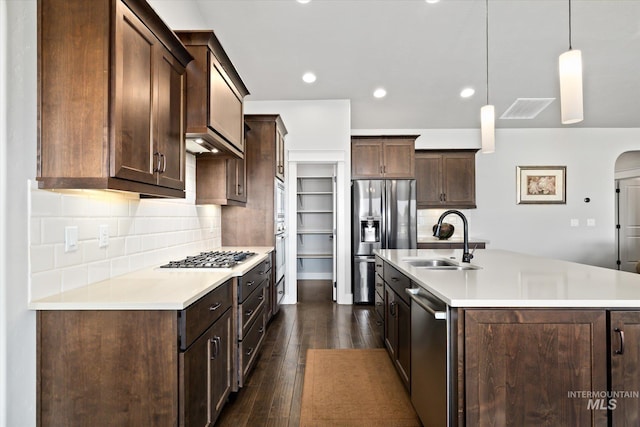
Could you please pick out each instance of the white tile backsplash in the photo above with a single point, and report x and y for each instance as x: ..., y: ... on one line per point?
x: 142, y: 233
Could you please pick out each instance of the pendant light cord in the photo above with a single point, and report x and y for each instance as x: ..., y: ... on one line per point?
x: 570, y: 25
x: 487, y: 44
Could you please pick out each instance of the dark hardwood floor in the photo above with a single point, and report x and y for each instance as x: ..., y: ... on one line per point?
x: 273, y: 392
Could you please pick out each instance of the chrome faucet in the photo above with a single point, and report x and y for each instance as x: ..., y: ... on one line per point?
x: 466, y: 256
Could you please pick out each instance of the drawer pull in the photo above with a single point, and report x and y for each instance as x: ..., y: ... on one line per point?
x: 215, y: 306
x: 620, y: 349
x: 250, y: 351
x: 261, y: 297
x: 248, y: 312
x: 261, y: 330
x: 281, y: 292
x: 251, y: 283
x: 395, y: 279
x: 261, y: 272
x: 378, y: 265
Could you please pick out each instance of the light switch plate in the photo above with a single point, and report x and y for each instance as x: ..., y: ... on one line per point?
x: 71, y: 238
x: 103, y: 236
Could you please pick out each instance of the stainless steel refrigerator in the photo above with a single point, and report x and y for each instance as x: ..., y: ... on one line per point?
x: 384, y: 217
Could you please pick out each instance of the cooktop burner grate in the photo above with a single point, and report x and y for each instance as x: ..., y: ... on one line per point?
x: 212, y: 259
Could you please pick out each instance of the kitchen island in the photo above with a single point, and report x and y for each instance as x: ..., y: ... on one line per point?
x: 524, y: 340
x: 160, y: 346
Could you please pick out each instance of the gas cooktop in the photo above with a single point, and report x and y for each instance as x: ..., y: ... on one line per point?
x: 212, y: 259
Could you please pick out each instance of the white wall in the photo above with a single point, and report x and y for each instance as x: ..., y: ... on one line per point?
x: 20, y: 164
x: 590, y: 156
x: 3, y: 212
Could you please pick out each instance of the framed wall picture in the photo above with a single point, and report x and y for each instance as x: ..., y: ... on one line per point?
x: 541, y: 184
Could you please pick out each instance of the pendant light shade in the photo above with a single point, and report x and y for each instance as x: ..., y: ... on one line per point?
x: 570, y: 67
x: 487, y: 126
x: 488, y: 112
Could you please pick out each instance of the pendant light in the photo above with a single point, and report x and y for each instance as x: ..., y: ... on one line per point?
x: 488, y: 112
x: 570, y: 68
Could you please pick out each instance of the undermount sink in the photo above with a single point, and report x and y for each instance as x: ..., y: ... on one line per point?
x: 439, y: 264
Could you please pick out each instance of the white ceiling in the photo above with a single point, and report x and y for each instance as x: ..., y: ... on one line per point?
x: 425, y: 54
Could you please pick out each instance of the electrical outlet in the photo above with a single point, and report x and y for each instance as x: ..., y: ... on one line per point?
x: 71, y: 238
x: 103, y: 236
x: 575, y: 222
x: 591, y: 222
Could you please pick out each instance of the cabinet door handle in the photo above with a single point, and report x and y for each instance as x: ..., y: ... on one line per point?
x: 158, y: 160
x: 620, y: 349
x: 164, y: 163
x: 239, y: 188
x: 215, y: 306
x: 381, y: 170
x: 280, y: 169
x: 215, y: 342
x: 444, y: 197
x: 392, y: 308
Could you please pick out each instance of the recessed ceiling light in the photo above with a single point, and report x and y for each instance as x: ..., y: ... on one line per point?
x: 428, y: 1
x: 309, y: 77
x: 304, y: 1
x: 380, y: 93
x: 467, y: 92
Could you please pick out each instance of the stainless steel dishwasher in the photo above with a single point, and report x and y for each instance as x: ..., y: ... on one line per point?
x: 429, y: 371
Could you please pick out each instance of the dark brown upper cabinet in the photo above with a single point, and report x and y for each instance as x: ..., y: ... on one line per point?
x: 215, y: 94
x: 446, y: 179
x: 382, y: 157
x: 111, y: 98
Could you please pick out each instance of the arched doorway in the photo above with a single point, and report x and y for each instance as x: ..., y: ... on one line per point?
x: 627, y: 181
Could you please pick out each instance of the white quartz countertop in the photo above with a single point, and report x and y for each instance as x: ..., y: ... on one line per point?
x: 152, y: 288
x: 510, y: 279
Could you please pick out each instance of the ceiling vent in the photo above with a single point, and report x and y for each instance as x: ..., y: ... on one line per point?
x: 526, y: 108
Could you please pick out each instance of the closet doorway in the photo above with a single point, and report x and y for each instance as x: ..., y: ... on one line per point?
x: 316, y: 232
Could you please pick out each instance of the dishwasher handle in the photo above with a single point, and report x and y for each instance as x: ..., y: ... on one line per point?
x: 415, y: 296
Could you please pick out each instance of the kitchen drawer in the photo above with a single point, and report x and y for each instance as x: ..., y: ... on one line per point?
x: 249, y: 281
x: 249, y: 309
x: 196, y: 318
x: 379, y: 304
x: 249, y: 347
x: 398, y: 281
x: 379, y: 267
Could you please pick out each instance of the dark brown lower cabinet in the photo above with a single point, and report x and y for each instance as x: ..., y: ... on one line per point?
x: 625, y: 372
x: 135, y: 367
x: 522, y: 366
x: 397, y: 333
x: 205, y: 374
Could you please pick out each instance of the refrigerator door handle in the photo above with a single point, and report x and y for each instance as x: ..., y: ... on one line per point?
x: 385, y: 216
